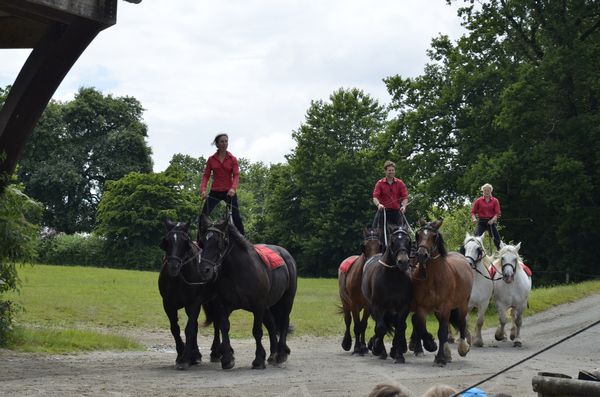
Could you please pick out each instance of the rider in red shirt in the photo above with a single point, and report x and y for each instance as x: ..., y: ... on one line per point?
x: 225, y: 172
x: 485, y: 211
x: 390, y: 195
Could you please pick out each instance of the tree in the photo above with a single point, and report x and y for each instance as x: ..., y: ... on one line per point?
x: 515, y: 103
x: 131, y: 212
x: 77, y: 147
x: 19, y: 217
x: 332, y: 174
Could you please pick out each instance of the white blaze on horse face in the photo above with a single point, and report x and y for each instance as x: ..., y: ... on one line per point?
x: 175, y: 237
x: 208, y: 236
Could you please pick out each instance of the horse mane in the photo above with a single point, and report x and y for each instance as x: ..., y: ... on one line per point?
x: 441, y: 246
x: 239, y: 238
x: 509, y: 248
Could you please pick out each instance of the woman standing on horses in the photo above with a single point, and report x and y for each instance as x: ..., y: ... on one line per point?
x: 390, y: 195
x: 225, y: 171
x: 485, y: 211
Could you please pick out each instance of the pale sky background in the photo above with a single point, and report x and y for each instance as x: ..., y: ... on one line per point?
x: 248, y: 67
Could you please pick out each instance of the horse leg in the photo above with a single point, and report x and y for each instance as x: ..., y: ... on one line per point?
x: 518, y: 321
x: 363, y: 329
x: 380, y: 329
x: 347, y: 341
x: 215, y: 351
x: 399, y: 344
x: 260, y: 354
x: 500, y: 334
x: 458, y: 317
x: 269, y: 322
x: 357, y: 330
x: 175, y: 331
x: 191, y: 353
x: 227, y: 358
x: 443, y: 355
x: 481, y: 309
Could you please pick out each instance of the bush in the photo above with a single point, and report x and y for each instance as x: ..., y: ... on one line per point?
x: 82, y: 249
x: 19, y: 216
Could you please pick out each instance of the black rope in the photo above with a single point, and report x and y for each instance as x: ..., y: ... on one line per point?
x: 527, y: 358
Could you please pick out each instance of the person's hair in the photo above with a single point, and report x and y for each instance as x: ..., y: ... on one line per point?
x: 216, y: 140
x: 440, y: 391
x: 388, y: 163
x: 487, y: 185
x: 384, y: 390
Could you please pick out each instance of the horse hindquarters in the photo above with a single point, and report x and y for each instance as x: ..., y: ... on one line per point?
x: 282, y: 309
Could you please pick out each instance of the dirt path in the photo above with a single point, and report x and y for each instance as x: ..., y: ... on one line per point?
x: 317, y: 366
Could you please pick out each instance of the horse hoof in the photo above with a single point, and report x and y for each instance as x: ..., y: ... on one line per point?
x: 227, y: 364
x: 478, y: 343
x: 271, y: 358
x: 439, y: 361
x: 517, y: 344
x: 258, y: 364
x: 430, y: 345
x: 182, y: 366
x: 281, y: 358
x: 419, y: 354
x: 347, y: 343
x: 215, y: 358
x: 399, y: 360
x: 463, y: 347
x: 447, y: 352
x: 370, y: 344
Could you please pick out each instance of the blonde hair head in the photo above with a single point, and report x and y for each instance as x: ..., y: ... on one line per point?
x: 486, y: 186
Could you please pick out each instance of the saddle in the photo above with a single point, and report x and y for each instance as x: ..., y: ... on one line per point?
x: 269, y: 257
x: 347, y: 263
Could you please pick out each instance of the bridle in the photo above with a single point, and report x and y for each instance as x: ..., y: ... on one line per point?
x: 224, y: 249
x: 397, y: 232
x: 474, y: 261
x: 435, y: 242
x: 181, y: 262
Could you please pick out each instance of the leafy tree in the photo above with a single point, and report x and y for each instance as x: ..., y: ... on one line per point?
x: 131, y: 211
x: 76, y: 147
x: 19, y: 216
x: 333, y: 176
x: 514, y: 102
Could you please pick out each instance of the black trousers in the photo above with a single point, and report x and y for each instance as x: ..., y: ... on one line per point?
x: 482, y: 227
x: 393, y: 217
x: 214, y: 198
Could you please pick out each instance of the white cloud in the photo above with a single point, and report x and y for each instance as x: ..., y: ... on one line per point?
x: 248, y: 67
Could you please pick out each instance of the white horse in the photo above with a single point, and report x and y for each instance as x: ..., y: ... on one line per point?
x: 483, y: 284
x: 512, y: 292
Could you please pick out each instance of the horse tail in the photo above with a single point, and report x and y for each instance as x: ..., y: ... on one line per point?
x: 209, y: 311
x: 454, y: 318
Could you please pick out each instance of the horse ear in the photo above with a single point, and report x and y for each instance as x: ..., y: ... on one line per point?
x: 467, y: 235
x: 422, y: 222
x: 168, y: 223
x: 502, y: 245
x: 365, y: 232
x: 518, y: 246
x: 438, y: 222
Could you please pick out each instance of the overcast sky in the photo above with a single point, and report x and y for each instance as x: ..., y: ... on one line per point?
x: 248, y: 67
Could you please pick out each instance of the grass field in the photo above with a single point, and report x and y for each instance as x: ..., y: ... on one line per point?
x: 66, y: 306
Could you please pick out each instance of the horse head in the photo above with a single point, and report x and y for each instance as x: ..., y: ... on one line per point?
x: 214, y: 238
x: 400, y: 246
x: 176, y: 244
x: 371, y: 244
x: 509, y: 261
x: 430, y: 243
x: 473, y: 249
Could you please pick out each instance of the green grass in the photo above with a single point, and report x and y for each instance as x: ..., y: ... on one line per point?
x: 61, y: 300
x: 48, y: 340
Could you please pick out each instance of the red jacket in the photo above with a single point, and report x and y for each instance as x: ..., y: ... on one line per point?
x: 484, y: 209
x: 226, y: 174
x: 390, y: 195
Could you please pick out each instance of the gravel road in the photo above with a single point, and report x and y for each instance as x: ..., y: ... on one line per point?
x: 317, y: 366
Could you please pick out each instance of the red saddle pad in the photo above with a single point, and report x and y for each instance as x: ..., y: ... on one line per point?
x: 268, y: 256
x: 347, y: 263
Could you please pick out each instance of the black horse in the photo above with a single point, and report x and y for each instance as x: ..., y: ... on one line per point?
x: 244, y: 281
x: 181, y: 286
x: 386, y: 286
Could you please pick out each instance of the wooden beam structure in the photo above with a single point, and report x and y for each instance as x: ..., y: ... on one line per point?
x: 58, y: 31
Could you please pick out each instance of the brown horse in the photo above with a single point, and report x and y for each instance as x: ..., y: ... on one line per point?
x: 353, y: 301
x: 442, y: 284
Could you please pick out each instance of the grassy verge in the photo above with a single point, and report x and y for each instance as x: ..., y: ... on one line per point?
x: 58, y: 300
